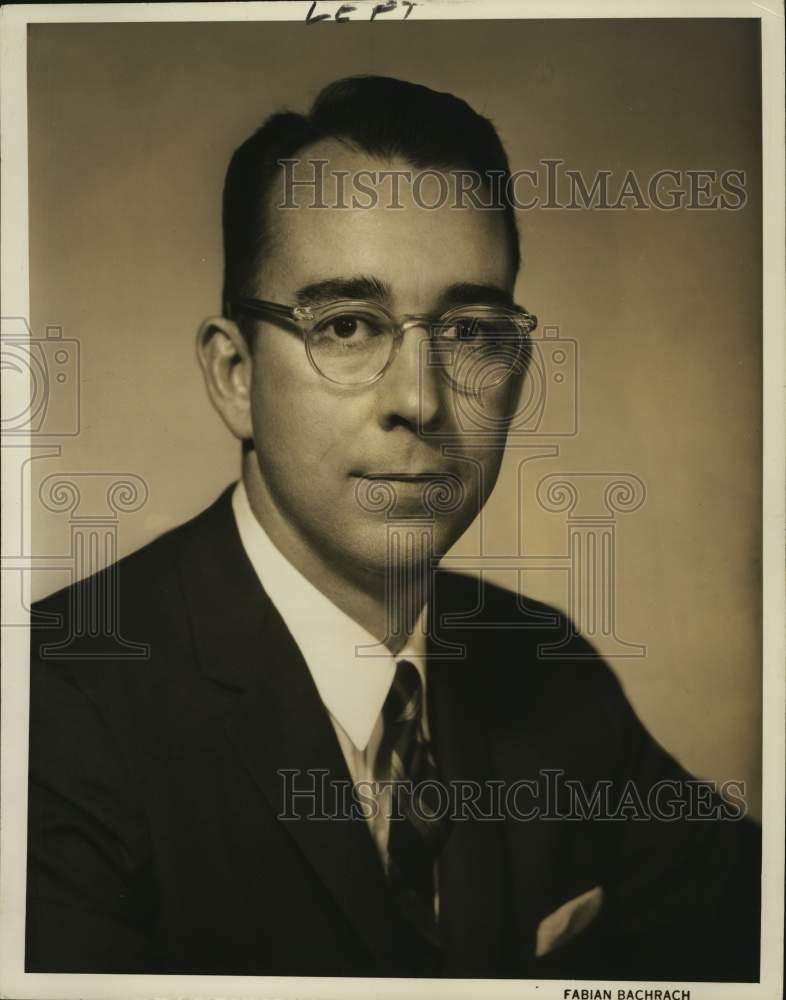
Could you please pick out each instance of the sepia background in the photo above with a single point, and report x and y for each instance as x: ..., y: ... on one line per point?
x: 131, y: 128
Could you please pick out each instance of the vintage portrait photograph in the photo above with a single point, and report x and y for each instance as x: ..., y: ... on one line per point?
x: 392, y: 450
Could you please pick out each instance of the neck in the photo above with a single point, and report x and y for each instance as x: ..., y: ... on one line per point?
x: 362, y: 594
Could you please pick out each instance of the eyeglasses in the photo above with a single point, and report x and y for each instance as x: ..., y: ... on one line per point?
x: 353, y: 343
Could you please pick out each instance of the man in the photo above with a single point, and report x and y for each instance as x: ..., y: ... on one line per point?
x: 265, y: 794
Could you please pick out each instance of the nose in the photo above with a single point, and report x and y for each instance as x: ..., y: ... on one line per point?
x: 411, y: 392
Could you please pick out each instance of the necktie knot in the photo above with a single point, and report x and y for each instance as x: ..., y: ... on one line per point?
x: 404, y: 701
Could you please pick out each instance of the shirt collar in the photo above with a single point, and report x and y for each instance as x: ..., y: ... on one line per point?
x: 351, y: 670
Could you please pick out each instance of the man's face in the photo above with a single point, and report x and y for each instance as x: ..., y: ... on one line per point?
x: 321, y: 446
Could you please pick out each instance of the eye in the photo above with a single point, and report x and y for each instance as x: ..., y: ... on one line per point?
x: 344, y: 326
x: 465, y: 328
x: 349, y: 329
x: 481, y: 328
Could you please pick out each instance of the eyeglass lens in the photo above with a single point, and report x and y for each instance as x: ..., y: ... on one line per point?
x: 476, y: 349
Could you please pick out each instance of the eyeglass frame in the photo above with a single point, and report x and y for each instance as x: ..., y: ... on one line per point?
x: 297, y: 315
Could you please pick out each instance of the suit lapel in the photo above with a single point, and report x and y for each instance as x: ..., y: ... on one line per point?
x: 471, y: 863
x: 499, y: 876
x: 470, y: 866
x: 276, y: 721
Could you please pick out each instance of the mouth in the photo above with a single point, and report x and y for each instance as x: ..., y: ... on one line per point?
x: 403, y: 477
x: 427, y: 491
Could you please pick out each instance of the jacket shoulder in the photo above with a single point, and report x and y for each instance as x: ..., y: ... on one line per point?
x: 509, y: 622
x: 530, y: 652
x: 153, y: 562
x: 111, y: 614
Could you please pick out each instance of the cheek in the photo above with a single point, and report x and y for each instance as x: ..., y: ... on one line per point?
x: 482, y: 427
x: 300, y: 429
x: 487, y: 414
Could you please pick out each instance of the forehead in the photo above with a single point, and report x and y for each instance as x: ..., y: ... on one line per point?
x: 418, y: 240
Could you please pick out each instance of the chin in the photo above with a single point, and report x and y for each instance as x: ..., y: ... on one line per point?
x: 401, y: 546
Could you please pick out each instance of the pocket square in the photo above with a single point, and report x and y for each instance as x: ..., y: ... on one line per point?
x: 570, y: 919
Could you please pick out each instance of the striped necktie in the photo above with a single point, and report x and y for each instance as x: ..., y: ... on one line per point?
x: 416, y: 831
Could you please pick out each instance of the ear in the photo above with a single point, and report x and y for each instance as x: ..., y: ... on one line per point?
x: 225, y: 359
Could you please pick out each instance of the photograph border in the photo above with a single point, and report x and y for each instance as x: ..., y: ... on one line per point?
x: 14, y: 249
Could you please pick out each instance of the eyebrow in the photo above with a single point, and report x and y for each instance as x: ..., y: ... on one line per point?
x: 359, y: 287
x: 466, y: 293
x: 368, y: 287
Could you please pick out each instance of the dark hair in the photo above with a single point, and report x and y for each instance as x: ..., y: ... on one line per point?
x: 380, y: 116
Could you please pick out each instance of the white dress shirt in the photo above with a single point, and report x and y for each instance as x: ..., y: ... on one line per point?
x: 352, y: 671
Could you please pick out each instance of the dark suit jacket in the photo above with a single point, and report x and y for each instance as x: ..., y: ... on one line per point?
x: 154, y: 842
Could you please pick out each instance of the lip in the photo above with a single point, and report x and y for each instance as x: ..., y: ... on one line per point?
x: 403, y: 476
x: 410, y: 490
